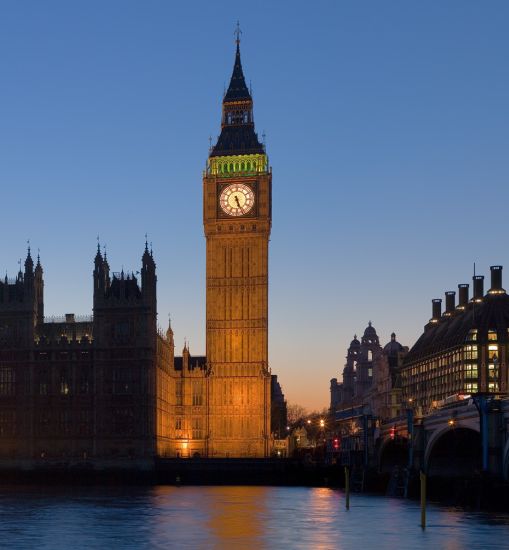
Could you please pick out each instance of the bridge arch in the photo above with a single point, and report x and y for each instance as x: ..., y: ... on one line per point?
x: 505, y: 463
x: 392, y: 452
x: 453, y: 451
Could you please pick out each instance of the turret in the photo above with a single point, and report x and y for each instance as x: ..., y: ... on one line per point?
x: 148, y: 276
x: 101, y: 274
x: 39, y: 291
x: 169, y: 334
x: 185, y: 357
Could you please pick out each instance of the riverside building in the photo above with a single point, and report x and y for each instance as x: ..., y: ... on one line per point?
x: 462, y: 350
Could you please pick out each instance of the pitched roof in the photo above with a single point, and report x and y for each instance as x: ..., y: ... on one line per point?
x: 237, y: 90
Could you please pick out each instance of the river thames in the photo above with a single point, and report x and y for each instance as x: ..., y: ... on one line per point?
x: 233, y: 517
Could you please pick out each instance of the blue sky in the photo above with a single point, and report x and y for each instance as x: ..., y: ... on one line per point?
x: 387, y: 130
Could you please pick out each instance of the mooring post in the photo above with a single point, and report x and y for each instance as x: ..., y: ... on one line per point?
x: 423, y: 500
x: 347, y: 487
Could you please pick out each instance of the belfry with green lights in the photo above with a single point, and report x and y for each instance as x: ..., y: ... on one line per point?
x: 238, y: 149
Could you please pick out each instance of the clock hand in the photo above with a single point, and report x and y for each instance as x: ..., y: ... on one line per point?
x: 237, y: 201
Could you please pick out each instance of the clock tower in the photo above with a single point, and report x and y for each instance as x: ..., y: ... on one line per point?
x: 237, y: 221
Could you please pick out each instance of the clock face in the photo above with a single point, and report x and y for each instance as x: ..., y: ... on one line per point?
x: 236, y: 199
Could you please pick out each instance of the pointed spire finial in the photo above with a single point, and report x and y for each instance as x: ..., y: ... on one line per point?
x: 146, y: 242
x: 98, y: 245
x: 28, y: 245
x: 104, y: 248
x: 237, y: 34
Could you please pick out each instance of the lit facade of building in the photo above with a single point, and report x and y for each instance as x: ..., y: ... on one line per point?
x: 237, y: 215
x: 462, y: 351
x: 110, y: 386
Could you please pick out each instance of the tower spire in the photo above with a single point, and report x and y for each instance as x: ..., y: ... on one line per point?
x: 237, y: 34
x: 238, y: 136
x: 237, y: 90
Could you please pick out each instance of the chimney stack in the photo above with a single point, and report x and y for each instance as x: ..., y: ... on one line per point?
x: 478, y: 288
x: 496, y: 280
x: 436, y: 310
x: 462, y: 296
x: 450, y: 298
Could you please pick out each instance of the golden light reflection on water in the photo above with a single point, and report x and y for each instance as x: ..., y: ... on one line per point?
x: 302, y: 518
x: 238, y: 513
x: 286, y: 518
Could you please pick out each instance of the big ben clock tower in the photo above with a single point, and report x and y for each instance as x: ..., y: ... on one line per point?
x: 237, y: 221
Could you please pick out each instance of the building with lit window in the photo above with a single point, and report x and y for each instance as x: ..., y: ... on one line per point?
x: 83, y: 388
x: 110, y: 386
x: 462, y: 350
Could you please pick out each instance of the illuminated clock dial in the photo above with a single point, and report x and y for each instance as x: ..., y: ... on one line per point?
x: 236, y: 199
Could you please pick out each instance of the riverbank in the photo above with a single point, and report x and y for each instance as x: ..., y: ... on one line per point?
x: 476, y: 493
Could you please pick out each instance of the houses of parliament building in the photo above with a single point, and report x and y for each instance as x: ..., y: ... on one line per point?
x: 110, y: 386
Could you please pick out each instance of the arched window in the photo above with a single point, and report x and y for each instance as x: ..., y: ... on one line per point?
x: 243, y: 167
x: 370, y: 355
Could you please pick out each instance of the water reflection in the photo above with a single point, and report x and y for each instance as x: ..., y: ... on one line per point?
x: 232, y: 517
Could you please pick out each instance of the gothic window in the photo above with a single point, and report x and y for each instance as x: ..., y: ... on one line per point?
x: 65, y: 386
x: 7, y: 381
x: 84, y: 384
x: 370, y: 355
x: 64, y: 422
x: 44, y: 383
x: 121, y: 331
x: 197, y: 428
x: 197, y: 393
x: 122, y: 381
x: 178, y: 392
x: 7, y: 423
x: 178, y: 424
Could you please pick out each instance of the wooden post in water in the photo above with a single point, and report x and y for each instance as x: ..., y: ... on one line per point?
x: 347, y: 487
x: 423, y: 500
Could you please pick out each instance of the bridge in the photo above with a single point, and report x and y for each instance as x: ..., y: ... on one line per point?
x: 465, y: 438
x: 460, y: 439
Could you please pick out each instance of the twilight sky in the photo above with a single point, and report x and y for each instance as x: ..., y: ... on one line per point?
x: 387, y: 130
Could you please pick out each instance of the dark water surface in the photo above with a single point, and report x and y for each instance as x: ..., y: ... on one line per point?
x: 232, y: 517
